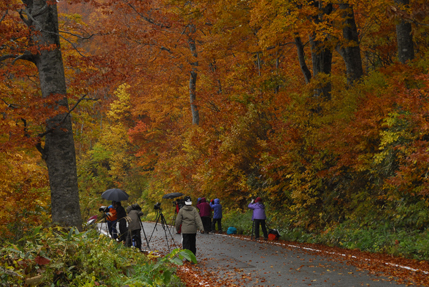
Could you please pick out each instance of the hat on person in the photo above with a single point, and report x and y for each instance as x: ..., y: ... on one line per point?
x: 258, y: 199
x: 188, y: 200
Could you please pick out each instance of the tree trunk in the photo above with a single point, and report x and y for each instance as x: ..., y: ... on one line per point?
x: 350, y: 50
x: 301, y: 58
x: 321, y: 53
x: 193, y: 76
x: 59, y: 150
x: 404, y: 37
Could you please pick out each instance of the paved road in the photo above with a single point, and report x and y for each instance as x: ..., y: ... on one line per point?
x: 250, y: 263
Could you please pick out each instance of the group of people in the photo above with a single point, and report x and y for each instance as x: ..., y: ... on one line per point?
x: 116, y: 214
x: 205, y: 211
x: 189, y: 220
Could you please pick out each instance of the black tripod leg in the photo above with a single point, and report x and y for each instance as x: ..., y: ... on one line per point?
x: 157, y: 219
x: 253, y: 230
x: 164, y: 226
x: 144, y: 233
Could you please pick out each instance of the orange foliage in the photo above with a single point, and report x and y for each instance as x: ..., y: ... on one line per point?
x: 262, y: 131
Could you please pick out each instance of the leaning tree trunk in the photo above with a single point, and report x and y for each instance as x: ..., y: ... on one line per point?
x: 350, y: 50
x: 404, y: 37
x: 59, y: 150
x: 301, y: 58
x: 193, y: 76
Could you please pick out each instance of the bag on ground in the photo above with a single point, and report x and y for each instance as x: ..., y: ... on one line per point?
x: 231, y: 230
x: 273, y: 234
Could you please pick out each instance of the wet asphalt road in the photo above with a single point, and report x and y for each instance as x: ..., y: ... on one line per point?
x: 251, y: 263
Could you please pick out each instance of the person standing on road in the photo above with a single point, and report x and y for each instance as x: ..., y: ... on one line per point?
x: 191, y: 222
x: 258, y: 217
x: 134, y: 226
x: 217, y: 215
x: 111, y: 221
x: 205, y: 213
x: 121, y: 214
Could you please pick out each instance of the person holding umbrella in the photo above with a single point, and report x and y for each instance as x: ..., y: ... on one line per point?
x: 115, y: 195
x: 111, y: 220
x: 121, y: 215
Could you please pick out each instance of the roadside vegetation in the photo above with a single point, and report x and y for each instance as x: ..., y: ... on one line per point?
x: 384, y: 238
x: 53, y: 256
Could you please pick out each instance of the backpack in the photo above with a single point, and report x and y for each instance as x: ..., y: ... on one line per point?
x: 231, y: 230
x: 273, y: 234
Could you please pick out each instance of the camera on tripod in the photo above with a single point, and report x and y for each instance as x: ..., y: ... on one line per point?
x: 157, y: 206
x: 103, y: 209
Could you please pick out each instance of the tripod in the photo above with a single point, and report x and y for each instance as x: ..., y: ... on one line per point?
x: 144, y: 233
x: 160, y: 216
x: 253, y: 230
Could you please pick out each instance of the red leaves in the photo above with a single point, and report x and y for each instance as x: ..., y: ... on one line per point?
x: 41, y: 260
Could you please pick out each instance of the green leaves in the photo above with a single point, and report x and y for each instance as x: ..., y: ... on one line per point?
x: 76, y: 258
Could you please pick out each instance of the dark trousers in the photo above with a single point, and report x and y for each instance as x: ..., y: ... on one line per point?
x: 123, y: 230
x: 189, y: 242
x: 112, y: 229
x: 219, y: 224
x: 261, y: 222
x: 206, y: 223
x: 134, y: 239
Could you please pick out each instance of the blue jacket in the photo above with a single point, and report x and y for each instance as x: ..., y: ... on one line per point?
x: 217, y: 207
x: 258, y: 210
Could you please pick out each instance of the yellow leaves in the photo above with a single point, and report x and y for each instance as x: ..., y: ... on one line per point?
x: 24, y: 188
x: 120, y: 107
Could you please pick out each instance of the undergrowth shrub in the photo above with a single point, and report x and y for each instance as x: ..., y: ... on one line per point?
x: 238, y: 219
x: 73, y: 258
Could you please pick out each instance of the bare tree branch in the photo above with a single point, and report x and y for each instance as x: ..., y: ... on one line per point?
x: 73, y: 45
x: 147, y: 18
x: 26, y: 21
x: 5, y: 13
x: 65, y: 117
x: 9, y: 105
x: 78, y: 36
x: 26, y: 56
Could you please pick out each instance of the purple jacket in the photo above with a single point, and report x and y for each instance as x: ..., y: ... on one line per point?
x: 258, y: 210
x: 204, y: 208
x: 217, y: 207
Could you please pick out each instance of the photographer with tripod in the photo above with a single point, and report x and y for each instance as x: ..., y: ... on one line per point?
x: 190, y: 220
x: 134, y: 226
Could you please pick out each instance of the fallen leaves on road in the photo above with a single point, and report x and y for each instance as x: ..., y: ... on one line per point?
x: 393, y: 268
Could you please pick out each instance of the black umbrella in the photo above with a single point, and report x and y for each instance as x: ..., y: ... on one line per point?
x: 115, y: 194
x: 172, y: 195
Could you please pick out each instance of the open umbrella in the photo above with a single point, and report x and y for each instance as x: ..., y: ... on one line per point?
x: 115, y: 194
x: 172, y: 195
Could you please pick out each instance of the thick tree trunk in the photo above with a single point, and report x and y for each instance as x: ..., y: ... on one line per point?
x: 321, y: 53
x: 404, y: 37
x: 59, y: 150
x: 193, y: 77
x: 350, y: 50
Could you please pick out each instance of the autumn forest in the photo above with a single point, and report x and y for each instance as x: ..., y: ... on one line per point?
x: 319, y: 107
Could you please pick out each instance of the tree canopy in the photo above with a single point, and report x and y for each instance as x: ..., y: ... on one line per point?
x: 320, y: 107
